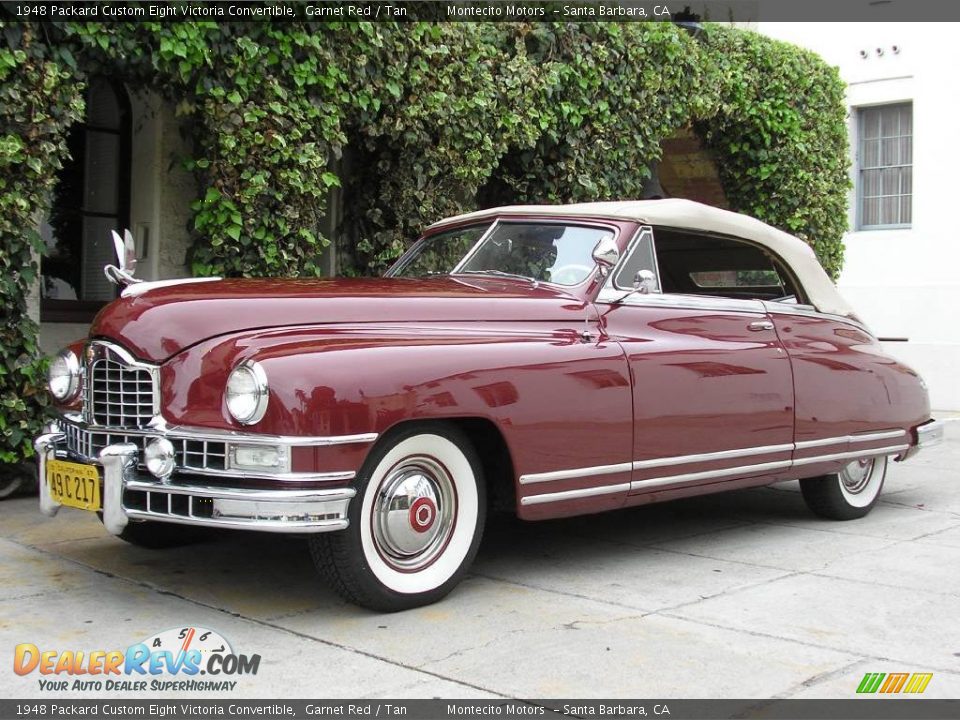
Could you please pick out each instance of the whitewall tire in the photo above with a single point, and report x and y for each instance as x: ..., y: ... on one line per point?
x: 848, y: 494
x: 415, y: 523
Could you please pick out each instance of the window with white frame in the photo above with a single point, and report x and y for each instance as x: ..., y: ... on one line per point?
x: 885, y: 166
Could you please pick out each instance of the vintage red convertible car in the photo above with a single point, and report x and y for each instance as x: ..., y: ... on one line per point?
x: 552, y: 361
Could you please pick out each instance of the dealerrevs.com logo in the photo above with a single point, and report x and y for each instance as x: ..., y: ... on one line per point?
x: 172, y: 660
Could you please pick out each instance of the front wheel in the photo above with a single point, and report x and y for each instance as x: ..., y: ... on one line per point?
x: 415, y: 523
x: 848, y: 494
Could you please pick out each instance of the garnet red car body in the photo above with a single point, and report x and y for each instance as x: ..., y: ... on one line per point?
x: 711, y: 354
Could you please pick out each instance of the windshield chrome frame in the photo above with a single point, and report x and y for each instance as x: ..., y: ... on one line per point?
x: 404, y: 259
x: 565, y: 221
x: 572, y: 221
x: 476, y: 248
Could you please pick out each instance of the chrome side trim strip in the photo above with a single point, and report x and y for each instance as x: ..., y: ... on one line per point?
x: 647, y: 464
x: 851, y: 455
x: 574, y: 473
x: 706, y: 457
x: 574, y: 494
x: 692, y: 477
x: 810, y: 311
x: 864, y: 437
x: 675, y: 301
x: 823, y: 442
x: 741, y: 470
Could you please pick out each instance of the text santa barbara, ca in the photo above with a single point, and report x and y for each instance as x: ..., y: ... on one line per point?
x: 554, y: 11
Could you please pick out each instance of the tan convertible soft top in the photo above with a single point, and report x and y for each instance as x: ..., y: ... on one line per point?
x: 677, y: 213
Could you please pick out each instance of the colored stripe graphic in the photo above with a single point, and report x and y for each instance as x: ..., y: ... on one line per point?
x: 894, y: 683
x: 918, y: 682
x: 870, y: 682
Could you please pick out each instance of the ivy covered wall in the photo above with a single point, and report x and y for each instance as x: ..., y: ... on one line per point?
x: 421, y: 121
x: 38, y: 103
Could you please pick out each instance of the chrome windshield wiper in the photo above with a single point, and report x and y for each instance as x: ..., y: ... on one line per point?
x: 498, y: 273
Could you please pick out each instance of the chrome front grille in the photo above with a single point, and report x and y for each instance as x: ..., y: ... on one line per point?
x: 120, y: 395
x: 86, y: 444
x: 168, y: 503
x: 198, y: 455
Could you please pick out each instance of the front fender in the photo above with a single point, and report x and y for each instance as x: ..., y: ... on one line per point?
x: 558, y: 401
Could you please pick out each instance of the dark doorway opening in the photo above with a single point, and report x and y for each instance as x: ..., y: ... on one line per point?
x: 91, y: 198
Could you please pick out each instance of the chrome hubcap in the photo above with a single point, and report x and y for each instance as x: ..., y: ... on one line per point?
x: 856, y: 475
x: 413, y: 514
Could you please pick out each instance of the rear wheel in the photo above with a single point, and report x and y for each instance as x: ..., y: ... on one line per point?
x: 848, y: 494
x: 415, y: 523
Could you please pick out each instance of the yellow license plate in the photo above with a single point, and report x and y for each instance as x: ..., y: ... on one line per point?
x: 74, y: 485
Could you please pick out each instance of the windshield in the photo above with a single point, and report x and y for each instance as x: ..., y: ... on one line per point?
x: 548, y: 252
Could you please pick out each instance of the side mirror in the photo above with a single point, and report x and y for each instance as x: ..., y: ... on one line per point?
x: 645, y: 282
x: 606, y: 254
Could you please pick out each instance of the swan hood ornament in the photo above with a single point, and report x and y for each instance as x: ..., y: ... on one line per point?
x: 122, y: 274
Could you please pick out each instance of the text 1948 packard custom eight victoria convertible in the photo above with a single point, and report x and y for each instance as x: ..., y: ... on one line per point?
x: 553, y: 361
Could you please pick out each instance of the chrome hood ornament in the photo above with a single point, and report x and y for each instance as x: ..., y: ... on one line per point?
x: 122, y: 273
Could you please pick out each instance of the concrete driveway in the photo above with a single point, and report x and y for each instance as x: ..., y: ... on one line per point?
x: 738, y: 595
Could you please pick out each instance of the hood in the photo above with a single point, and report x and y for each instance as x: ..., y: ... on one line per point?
x: 156, y: 323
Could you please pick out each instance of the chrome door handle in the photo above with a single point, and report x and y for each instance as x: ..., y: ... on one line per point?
x: 760, y: 325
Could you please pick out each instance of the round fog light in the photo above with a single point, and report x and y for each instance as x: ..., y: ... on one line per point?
x: 159, y: 458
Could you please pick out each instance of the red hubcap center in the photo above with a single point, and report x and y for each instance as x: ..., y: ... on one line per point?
x: 423, y: 513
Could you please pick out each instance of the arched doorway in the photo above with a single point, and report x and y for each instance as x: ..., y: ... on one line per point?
x: 92, y: 197
x: 688, y: 170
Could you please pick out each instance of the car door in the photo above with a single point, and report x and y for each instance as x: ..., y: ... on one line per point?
x: 712, y: 384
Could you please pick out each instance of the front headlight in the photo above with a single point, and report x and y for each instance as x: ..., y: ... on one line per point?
x: 247, y: 393
x: 63, y: 376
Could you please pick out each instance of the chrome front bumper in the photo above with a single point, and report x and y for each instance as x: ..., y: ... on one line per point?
x: 130, y: 496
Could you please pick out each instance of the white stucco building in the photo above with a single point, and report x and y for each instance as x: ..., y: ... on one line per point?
x: 902, y: 269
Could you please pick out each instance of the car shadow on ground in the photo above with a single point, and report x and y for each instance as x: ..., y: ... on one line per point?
x: 270, y: 575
